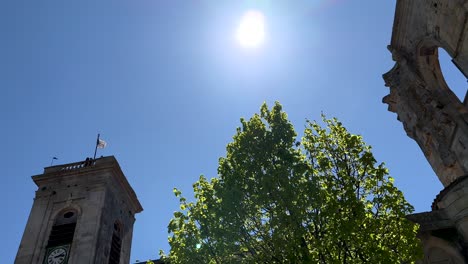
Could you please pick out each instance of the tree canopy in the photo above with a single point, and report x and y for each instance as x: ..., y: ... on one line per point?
x: 323, y: 199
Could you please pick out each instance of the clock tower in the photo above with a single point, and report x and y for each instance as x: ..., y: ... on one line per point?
x: 83, y: 212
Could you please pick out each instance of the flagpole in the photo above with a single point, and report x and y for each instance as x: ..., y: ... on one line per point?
x: 52, y: 161
x: 97, y: 143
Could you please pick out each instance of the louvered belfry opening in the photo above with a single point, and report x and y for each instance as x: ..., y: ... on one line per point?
x: 63, y: 229
x: 61, y: 235
x: 116, y: 245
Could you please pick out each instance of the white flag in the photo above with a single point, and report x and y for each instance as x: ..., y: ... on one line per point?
x: 101, y: 144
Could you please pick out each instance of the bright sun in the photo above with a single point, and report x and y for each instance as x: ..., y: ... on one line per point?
x: 251, y: 30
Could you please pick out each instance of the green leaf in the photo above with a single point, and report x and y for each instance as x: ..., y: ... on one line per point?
x: 278, y: 199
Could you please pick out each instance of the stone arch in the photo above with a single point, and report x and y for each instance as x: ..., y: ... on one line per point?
x: 118, y: 227
x: 70, y: 207
x: 454, y: 77
x: 428, y: 67
x: 62, y: 232
x: 438, y: 250
x: 440, y: 113
x: 430, y: 111
x: 67, y: 216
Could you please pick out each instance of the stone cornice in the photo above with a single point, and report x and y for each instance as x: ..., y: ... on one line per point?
x: 67, y: 172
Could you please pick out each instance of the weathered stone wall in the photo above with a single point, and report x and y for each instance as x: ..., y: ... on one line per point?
x: 433, y: 116
x: 444, y: 230
x: 430, y: 112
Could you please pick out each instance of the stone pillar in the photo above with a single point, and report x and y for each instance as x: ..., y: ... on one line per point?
x: 433, y: 116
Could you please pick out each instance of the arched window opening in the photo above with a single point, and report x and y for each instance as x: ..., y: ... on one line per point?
x: 116, y: 244
x: 61, y: 237
x: 63, y: 229
x: 454, y: 78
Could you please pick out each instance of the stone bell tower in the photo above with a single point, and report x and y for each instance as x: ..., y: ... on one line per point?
x: 433, y: 116
x: 83, y: 212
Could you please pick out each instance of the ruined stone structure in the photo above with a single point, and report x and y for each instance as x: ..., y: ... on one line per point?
x: 433, y: 116
x: 83, y: 213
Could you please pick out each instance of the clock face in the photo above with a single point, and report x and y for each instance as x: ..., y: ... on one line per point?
x: 57, y: 256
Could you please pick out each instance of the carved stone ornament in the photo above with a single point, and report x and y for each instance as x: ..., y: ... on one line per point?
x: 431, y: 113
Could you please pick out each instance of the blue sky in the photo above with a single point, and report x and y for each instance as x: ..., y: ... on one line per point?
x: 165, y: 83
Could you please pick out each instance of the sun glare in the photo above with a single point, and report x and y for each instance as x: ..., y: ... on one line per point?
x: 251, y: 30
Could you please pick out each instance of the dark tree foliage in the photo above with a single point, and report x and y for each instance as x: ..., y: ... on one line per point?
x: 275, y: 200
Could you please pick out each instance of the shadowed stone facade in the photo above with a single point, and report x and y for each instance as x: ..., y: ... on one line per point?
x: 104, y: 204
x: 433, y: 116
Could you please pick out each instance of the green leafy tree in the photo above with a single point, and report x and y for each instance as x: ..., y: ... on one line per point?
x: 275, y: 200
